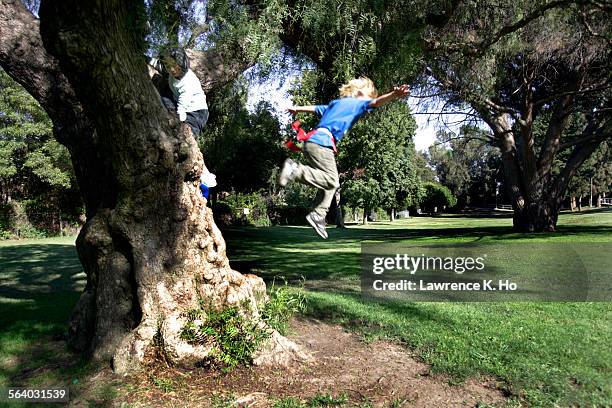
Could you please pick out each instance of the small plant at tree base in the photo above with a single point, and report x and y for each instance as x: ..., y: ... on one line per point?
x: 223, y: 401
x: 164, y: 384
x: 396, y: 403
x: 234, y: 337
x: 284, y: 302
x: 365, y: 404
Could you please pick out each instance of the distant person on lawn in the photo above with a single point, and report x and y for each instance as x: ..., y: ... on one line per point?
x: 356, y: 98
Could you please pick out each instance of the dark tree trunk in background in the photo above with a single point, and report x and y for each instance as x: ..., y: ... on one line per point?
x: 336, y: 211
x: 150, y: 247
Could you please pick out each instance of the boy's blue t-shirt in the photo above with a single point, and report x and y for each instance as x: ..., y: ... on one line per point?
x: 338, y: 117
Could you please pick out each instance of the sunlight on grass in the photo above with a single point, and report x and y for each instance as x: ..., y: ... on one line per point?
x: 544, y: 354
x: 40, y: 282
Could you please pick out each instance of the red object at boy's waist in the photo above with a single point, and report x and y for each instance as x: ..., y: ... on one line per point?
x: 303, y: 136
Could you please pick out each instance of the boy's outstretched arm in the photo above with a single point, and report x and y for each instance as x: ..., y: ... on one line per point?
x: 295, y: 109
x: 397, y: 92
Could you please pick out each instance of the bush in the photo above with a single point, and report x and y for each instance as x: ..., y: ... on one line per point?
x: 292, y: 205
x: 264, y: 210
x: 235, y: 338
x: 222, y: 213
x: 52, y: 217
x: 15, y: 223
x: 231, y: 210
x: 381, y: 215
x: 6, y: 212
x: 288, y: 215
x: 437, y: 198
x: 298, y: 195
x: 36, y: 218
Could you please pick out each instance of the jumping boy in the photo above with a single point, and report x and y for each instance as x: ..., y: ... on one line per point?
x: 356, y: 98
x: 189, y: 100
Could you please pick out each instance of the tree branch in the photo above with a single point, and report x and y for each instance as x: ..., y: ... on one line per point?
x: 464, y: 138
x: 196, y: 32
x: 585, y: 138
x: 24, y: 58
x: 447, y: 113
x: 550, y: 98
x: 590, y: 29
x: 478, y: 48
x: 580, y: 153
x: 537, y: 13
x: 216, y: 68
x: 556, y: 125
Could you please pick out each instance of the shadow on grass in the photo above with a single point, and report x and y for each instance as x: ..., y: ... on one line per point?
x: 331, y: 309
x: 28, y: 270
x: 40, y: 284
x: 293, y: 252
x: 587, y: 211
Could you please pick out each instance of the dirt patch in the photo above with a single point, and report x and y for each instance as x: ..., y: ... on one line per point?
x: 380, y: 373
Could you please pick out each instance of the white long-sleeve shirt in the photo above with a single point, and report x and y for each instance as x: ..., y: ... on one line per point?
x: 188, y: 93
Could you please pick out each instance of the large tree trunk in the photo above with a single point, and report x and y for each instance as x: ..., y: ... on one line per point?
x: 537, y: 216
x: 150, y: 247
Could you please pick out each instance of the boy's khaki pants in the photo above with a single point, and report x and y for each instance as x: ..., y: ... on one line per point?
x: 320, y: 172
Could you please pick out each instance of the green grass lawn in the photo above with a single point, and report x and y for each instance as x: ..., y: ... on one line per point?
x: 40, y: 282
x: 543, y: 354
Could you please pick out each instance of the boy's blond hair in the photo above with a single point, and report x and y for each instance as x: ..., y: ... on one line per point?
x: 355, y: 86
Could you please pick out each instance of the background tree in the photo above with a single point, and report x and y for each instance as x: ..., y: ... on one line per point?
x: 437, y: 198
x: 515, y: 62
x: 593, y: 179
x: 346, y: 39
x: 241, y: 148
x: 467, y: 165
x: 425, y: 172
x: 36, y: 177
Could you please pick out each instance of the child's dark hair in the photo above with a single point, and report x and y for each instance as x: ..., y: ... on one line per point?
x: 179, y: 56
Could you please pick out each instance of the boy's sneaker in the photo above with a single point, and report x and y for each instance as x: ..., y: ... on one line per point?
x: 287, y: 173
x: 318, y: 223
